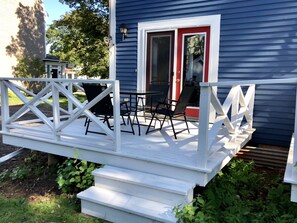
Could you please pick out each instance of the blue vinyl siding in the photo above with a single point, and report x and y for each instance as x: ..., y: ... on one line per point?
x: 258, y: 41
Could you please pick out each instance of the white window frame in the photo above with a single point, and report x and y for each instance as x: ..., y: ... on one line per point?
x: 213, y: 21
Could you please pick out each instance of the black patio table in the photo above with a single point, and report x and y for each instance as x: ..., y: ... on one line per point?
x: 134, y: 94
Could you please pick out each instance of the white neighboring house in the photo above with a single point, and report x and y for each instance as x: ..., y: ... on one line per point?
x: 54, y: 67
x: 22, y: 32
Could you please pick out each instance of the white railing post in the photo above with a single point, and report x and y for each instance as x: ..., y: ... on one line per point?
x: 203, y: 134
x: 56, y: 109
x: 117, y: 115
x: 234, y: 111
x: 251, y: 106
x: 294, y: 173
x: 70, y: 104
x: 4, y: 105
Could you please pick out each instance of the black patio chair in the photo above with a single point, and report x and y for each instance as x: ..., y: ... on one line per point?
x: 104, y: 108
x: 166, y: 110
x: 151, y: 101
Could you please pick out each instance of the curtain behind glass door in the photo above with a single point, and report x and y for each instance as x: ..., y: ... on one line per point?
x: 159, y: 58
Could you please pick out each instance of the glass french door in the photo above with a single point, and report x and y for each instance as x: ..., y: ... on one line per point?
x: 192, y: 63
x: 159, y: 69
x: 192, y: 59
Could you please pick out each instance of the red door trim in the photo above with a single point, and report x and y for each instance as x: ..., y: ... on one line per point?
x: 192, y: 112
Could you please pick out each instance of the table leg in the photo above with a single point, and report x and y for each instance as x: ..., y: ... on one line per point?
x: 135, y: 114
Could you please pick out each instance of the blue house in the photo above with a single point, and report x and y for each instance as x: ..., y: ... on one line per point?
x: 239, y: 40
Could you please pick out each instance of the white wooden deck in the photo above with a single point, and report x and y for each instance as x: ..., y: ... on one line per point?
x: 158, y: 148
x: 197, y: 156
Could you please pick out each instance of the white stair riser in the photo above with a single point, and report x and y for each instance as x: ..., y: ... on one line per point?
x: 153, y: 194
x: 111, y: 214
x: 294, y: 193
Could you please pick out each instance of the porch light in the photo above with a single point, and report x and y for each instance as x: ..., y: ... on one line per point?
x: 123, y: 31
x: 108, y: 40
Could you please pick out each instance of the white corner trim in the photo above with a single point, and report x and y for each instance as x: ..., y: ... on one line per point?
x: 112, y: 33
x: 214, y: 21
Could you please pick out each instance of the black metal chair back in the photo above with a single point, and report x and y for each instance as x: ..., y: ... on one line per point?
x: 180, y: 106
x: 104, y: 106
x: 153, y: 100
x: 184, y: 99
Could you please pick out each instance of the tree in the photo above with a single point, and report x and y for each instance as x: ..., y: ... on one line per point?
x: 30, y: 67
x: 98, y: 6
x: 78, y: 37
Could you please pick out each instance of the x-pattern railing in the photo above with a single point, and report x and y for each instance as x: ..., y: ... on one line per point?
x: 54, y: 89
x: 228, y: 119
x: 239, y: 105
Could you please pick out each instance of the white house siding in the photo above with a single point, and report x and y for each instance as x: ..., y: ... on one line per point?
x: 22, y: 32
x: 258, y: 41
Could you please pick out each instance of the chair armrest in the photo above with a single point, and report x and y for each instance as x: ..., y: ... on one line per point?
x: 162, y: 104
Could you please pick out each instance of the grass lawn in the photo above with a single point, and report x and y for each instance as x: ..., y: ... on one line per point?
x: 48, y: 208
x: 29, y: 193
x: 14, y: 100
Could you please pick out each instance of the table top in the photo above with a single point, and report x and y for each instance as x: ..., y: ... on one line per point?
x: 139, y: 92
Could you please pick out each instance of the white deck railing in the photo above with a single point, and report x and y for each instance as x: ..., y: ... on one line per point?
x: 61, y: 118
x: 233, y: 116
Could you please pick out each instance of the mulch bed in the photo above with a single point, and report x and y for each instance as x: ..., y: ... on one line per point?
x: 35, y: 185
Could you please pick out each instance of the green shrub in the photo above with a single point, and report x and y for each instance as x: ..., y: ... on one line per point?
x: 75, y: 175
x: 238, y: 194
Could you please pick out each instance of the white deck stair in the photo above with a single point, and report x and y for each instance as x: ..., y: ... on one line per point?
x: 123, y: 195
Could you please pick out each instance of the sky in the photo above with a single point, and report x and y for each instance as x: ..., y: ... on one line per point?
x: 54, y: 10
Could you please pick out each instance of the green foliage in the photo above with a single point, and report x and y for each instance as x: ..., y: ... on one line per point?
x: 99, y: 6
x: 28, y: 67
x: 19, y: 173
x: 194, y: 212
x: 75, y: 175
x: 238, y: 194
x: 4, y: 175
x: 78, y: 37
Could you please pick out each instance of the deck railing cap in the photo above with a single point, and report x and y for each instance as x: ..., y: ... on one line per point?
x: 59, y: 80
x: 249, y: 82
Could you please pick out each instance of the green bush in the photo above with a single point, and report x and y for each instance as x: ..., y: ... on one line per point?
x: 238, y: 194
x: 75, y: 175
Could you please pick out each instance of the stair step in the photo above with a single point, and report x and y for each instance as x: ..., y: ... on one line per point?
x: 119, y: 207
x: 150, y: 180
x: 145, y: 185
